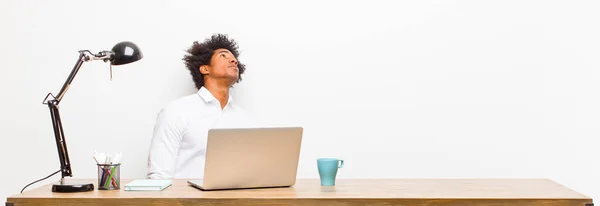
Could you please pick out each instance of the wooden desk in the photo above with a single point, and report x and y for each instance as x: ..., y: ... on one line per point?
x: 405, y: 192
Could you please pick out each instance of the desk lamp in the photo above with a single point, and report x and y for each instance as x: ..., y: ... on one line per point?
x: 121, y: 53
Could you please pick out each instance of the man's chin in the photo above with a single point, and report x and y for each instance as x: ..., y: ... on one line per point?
x: 233, y: 80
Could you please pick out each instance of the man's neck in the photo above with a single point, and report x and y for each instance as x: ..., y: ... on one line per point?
x: 219, y: 91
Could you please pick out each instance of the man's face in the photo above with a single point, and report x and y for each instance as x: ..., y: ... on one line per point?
x: 223, y: 65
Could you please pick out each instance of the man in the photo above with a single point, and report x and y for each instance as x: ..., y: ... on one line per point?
x: 178, y: 145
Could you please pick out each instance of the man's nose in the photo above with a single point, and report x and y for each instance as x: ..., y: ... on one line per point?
x: 234, y: 61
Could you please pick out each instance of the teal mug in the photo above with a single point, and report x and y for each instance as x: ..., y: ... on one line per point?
x: 328, y: 168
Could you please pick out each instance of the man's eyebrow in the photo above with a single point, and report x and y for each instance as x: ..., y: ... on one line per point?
x: 224, y: 51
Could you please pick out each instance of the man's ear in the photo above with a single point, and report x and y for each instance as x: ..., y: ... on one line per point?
x: 204, y: 69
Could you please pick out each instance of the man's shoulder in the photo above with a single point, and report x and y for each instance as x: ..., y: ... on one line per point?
x: 182, y: 104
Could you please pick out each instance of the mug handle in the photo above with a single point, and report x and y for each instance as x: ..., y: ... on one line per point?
x: 341, y: 164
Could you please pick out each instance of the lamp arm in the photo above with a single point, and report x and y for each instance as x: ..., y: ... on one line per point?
x: 84, y: 55
x: 61, y: 143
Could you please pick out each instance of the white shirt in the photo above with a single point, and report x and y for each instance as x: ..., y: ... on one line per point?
x: 178, y: 145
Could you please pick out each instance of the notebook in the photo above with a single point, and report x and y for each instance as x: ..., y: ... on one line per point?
x: 147, y: 185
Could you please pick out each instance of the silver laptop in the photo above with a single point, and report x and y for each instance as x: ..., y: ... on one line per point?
x: 250, y: 158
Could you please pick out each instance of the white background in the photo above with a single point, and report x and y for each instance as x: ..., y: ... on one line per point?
x: 409, y: 89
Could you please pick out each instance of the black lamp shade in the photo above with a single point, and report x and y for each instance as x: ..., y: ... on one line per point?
x: 125, y: 53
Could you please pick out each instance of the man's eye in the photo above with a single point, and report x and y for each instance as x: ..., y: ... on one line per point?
x: 223, y: 55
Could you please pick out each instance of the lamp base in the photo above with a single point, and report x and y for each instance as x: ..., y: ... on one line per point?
x: 72, y: 186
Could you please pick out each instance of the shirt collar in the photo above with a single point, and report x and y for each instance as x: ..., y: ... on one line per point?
x: 208, y: 97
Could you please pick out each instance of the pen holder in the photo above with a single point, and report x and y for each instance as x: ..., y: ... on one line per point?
x: 109, y: 176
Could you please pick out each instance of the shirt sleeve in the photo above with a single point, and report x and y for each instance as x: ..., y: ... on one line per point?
x: 164, y: 147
